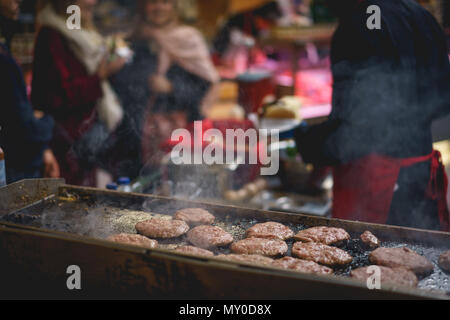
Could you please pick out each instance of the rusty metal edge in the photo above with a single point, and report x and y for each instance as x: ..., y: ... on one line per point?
x: 23, y: 193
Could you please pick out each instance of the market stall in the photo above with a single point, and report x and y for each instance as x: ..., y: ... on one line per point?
x: 68, y: 224
x: 224, y: 150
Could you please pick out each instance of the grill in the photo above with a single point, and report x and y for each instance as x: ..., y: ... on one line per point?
x: 64, y: 225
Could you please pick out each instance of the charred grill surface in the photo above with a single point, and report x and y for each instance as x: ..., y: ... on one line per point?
x: 100, y: 219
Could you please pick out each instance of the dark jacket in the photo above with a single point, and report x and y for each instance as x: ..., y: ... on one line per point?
x: 63, y: 88
x: 389, y: 85
x: 23, y: 138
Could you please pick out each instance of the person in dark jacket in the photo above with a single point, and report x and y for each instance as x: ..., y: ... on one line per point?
x: 24, y: 133
x: 170, y: 82
x: 389, y: 85
x: 70, y: 82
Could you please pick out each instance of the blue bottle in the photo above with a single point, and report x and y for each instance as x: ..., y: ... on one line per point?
x: 124, y: 184
x: 112, y: 186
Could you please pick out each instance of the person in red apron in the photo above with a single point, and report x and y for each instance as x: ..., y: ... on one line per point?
x: 390, y: 83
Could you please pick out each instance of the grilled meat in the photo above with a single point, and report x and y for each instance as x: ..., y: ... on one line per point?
x: 393, y: 276
x: 209, y: 237
x: 265, y: 247
x: 195, y: 216
x: 162, y: 229
x: 270, y: 230
x: 303, y: 266
x: 134, y: 240
x: 444, y: 261
x: 401, y: 257
x: 194, y: 251
x: 325, y: 235
x: 369, y: 240
x: 321, y: 253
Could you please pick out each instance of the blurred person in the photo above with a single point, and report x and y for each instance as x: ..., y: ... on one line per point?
x: 249, y: 22
x: 70, y: 81
x: 170, y: 82
x: 390, y: 84
x: 24, y: 133
x: 295, y: 12
x: 446, y: 9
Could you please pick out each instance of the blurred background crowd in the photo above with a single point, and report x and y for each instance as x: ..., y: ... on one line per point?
x: 98, y: 105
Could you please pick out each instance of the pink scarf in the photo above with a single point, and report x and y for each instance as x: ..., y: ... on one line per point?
x: 186, y: 47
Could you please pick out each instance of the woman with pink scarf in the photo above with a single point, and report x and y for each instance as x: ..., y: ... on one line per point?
x: 171, y: 81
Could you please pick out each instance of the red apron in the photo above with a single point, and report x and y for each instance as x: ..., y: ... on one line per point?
x: 364, y: 189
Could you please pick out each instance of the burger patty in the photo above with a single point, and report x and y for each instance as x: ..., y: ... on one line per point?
x: 270, y: 230
x: 209, y: 237
x: 195, y: 216
x: 395, y: 276
x: 264, y: 247
x: 321, y: 253
x: 304, y: 266
x: 369, y: 240
x: 134, y: 240
x: 444, y: 261
x: 401, y: 257
x: 325, y: 235
x: 162, y: 229
x: 249, y: 258
x: 194, y: 251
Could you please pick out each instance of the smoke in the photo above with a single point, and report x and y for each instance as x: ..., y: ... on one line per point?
x: 389, y: 84
x: 102, y: 219
x: 79, y: 220
x: 377, y: 105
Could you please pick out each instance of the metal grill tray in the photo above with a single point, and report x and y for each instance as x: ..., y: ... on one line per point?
x: 97, y: 214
